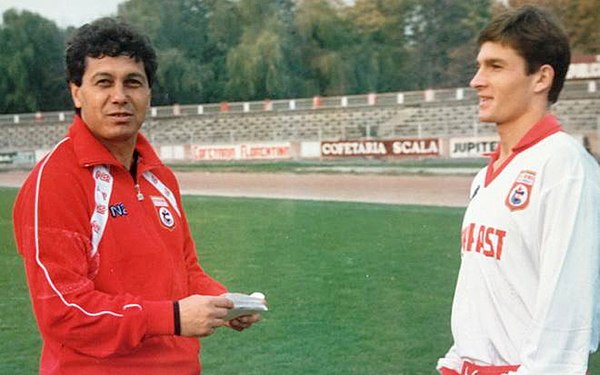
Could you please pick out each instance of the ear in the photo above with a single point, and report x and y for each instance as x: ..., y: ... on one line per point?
x: 544, y: 79
x: 75, y: 94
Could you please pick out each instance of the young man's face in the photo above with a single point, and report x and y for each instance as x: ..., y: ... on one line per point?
x: 113, y: 97
x: 505, y: 90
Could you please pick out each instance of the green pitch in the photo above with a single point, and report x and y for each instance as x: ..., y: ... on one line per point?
x: 352, y: 288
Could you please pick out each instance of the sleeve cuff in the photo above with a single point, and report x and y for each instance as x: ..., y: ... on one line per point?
x: 159, y: 317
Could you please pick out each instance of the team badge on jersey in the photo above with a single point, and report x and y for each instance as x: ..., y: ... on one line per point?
x: 164, y: 214
x: 519, y: 195
x: 166, y: 217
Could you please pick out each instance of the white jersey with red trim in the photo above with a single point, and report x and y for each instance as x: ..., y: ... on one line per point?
x: 528, y: 289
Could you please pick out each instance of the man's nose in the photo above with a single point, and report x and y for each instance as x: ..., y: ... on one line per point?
x: 478, y: 79
x: 119, y: 93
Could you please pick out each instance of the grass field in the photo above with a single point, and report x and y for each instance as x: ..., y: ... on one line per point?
x: 352, y: 288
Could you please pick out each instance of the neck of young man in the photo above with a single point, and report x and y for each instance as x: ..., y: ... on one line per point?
x: 512, y: 132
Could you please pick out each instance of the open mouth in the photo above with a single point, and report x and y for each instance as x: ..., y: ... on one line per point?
x: 120, y: 115
x: 484, y: 99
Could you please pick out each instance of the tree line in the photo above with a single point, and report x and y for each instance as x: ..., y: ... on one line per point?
x: 211, y: 51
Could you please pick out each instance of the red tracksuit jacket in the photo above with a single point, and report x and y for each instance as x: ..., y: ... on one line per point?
x: 107, y: 308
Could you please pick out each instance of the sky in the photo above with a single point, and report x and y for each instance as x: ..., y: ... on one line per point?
x: 65, y: 12
x: 69, y: 12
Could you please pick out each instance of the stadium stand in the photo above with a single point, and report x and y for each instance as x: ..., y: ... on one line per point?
x: 430, y: 113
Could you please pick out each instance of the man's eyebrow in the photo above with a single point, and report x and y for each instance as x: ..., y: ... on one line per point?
x: 136, y: 75
x: 101, y: 75
x: 492, y: 61
x: 128, y: 76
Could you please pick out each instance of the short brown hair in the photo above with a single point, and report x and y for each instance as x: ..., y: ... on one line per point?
x: 536, y: 35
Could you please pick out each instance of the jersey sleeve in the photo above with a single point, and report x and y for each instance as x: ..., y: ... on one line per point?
x: 52, y: 231
x: 565, y: 323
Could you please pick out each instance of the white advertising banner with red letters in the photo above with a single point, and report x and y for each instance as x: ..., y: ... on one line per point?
x: 243, y: 151
x: 472, y: 147
x: 382, y: 148
x: 214, y: 152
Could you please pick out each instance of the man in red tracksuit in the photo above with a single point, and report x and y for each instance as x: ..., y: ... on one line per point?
x: 111, y: 265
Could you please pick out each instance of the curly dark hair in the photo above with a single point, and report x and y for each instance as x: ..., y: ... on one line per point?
x: 537, y: 35
x: 107, y: 37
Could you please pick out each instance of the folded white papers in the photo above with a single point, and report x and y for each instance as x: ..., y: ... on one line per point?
x: 244, y: 304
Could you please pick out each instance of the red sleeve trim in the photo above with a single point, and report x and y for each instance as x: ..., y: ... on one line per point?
x: 159, y: 317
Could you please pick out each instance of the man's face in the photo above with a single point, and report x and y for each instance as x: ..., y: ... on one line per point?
x: 113, y: 97
x: 505, y: 90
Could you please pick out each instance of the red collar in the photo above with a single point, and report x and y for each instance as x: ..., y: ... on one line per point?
x: 90, y: 151
x: 547, y: 126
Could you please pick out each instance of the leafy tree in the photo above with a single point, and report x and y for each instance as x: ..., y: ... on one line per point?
x: 583, y: 26
x: 224, y: 32
x: 224, y: 50
x: 256, y: 65
x: 381, y: 56
x: 267, y: 61
x: 144, y: 14
x: 326, y: 41
x: 581, y: 19
x: 178, y: 80
x: 442, y: 37
x: 31, y: 64
x: 188, y: 55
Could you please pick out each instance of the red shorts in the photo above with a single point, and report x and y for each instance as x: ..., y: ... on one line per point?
x: 469, y: 368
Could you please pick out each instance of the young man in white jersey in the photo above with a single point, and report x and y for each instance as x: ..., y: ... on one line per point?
x: 528, y: 291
